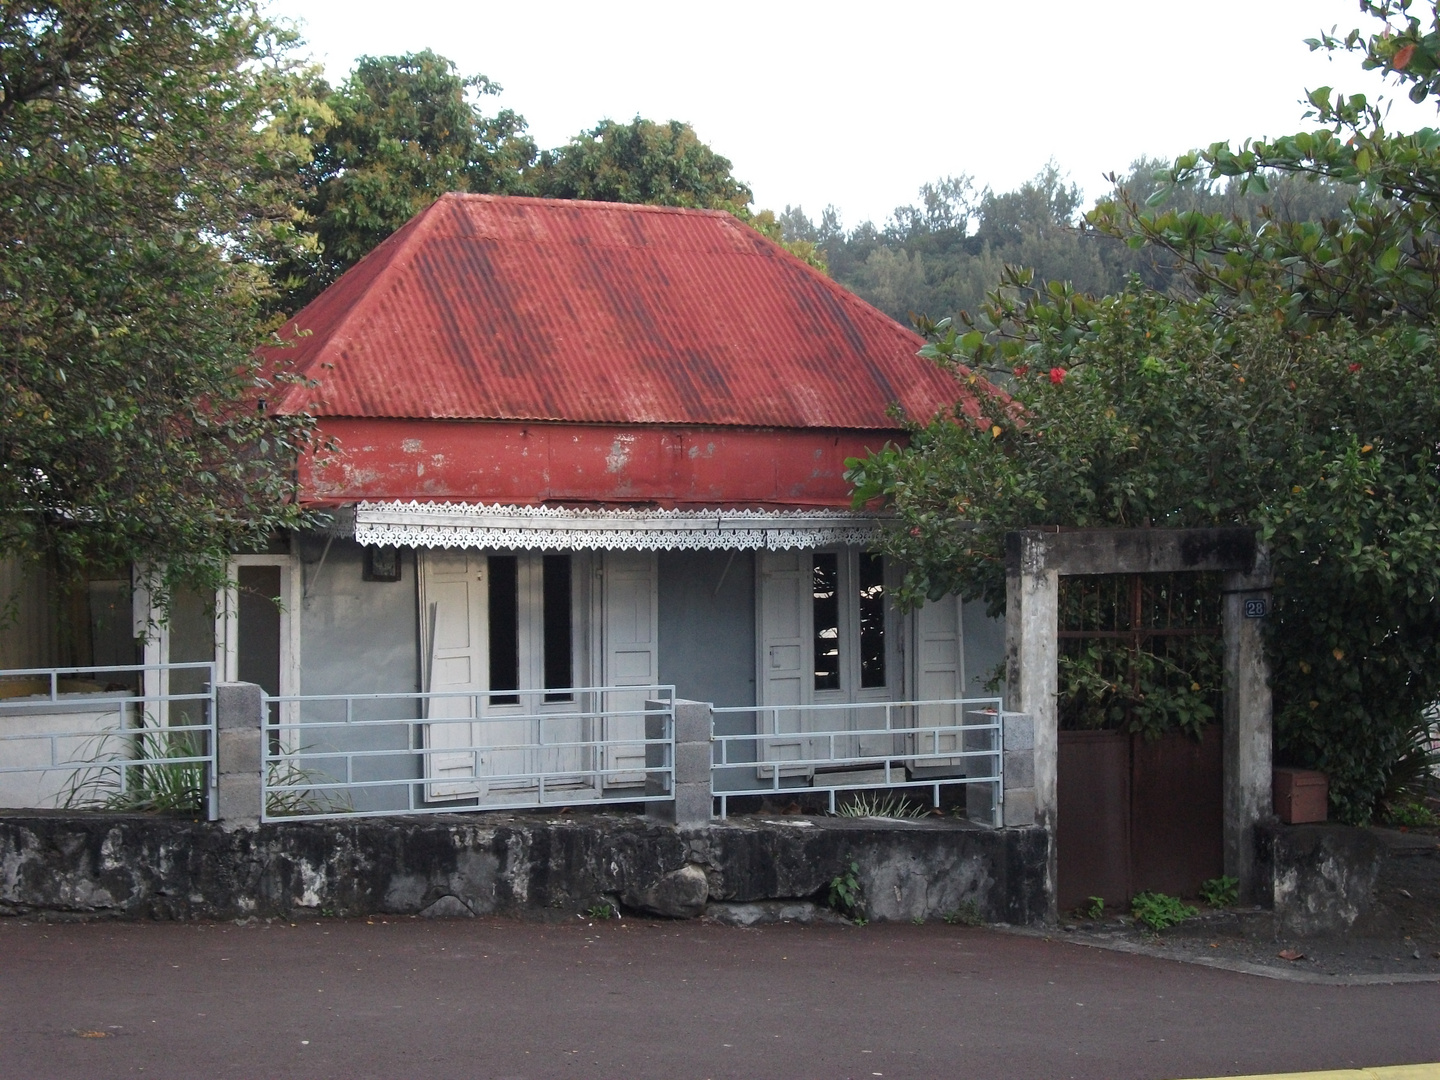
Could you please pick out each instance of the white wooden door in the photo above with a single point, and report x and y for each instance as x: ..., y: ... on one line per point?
x: 939, y: 653
x: 786, y: 675
x: 630, y: 618
x: 454, y: 629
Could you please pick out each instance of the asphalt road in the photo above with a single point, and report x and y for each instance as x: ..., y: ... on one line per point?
x: 496, y: 999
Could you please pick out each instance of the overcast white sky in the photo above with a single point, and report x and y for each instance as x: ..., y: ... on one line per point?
x: 857, y: 105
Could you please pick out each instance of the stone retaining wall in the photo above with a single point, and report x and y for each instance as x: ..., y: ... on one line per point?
x: 134, y: 866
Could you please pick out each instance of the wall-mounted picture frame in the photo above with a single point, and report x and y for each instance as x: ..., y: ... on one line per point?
x: 382, y: 564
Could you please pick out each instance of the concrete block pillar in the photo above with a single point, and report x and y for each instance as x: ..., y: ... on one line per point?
x: 1018, y: 755
x: 1032, y: 597
x: 1247, y: 723
x: 691, y: 804
x: 239, y: 761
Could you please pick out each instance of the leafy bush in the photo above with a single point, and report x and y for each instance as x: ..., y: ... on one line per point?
x: 1220, y: 892
x: 1411, y: 814
x: 1158, y: 911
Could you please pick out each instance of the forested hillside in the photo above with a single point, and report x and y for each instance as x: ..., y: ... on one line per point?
x: 941, y: 255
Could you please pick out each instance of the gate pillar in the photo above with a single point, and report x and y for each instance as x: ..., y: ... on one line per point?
x: 1035, y: 559
x: 1032, y: 596
x: 1248, y: 777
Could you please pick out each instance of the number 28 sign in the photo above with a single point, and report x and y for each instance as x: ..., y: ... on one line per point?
x: 1256, y: 608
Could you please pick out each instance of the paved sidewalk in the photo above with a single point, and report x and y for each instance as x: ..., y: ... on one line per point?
x: 1391, y: 1072
x: 497, y: 999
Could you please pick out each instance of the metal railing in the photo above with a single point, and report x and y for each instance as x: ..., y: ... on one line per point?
x: 124, y: 737
x: 338, y: 755
x: 859, y: 746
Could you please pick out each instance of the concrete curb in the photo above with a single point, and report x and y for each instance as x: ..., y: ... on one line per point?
x: 1243, y: 967
x: 1388, y: 1072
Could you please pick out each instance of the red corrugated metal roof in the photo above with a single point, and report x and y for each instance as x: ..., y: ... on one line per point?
x: 503, y: 308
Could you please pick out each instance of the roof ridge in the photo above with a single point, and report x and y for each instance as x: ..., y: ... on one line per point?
x: 834, y: 287
x: 604, y: 204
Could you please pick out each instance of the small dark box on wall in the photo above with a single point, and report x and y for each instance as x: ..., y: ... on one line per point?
x: 382, y: 564
x: 1301, y: 795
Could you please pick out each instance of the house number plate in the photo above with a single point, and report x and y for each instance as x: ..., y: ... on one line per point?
x: 1256, y: 609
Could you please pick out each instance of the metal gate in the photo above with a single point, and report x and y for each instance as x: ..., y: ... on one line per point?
x: 1140, y: 765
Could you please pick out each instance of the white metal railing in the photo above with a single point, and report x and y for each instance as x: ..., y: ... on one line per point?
x: 339, y: 755
x: 124, y: 737
x: 857, y: 746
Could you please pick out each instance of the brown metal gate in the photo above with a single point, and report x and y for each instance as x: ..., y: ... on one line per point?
x: 1136, y: 815
x: 1139, y: 795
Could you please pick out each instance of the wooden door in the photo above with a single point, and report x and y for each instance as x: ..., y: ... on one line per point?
x: 939, y: 652
x: 630, y: 606
x: 453, y: 628
x: 786, y: 675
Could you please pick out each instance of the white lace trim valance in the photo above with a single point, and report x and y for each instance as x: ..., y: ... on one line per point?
x: 477, y: 525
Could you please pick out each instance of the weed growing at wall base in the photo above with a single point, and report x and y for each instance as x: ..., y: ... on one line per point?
x: 846, y: 895
x: 1222, y: 891
x: 1159, y: 911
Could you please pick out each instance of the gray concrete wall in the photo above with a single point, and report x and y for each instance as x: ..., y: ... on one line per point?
x: 707, y: 637
x: 356, y: 636
x: 984, y: 648
x: 360, y: 637
x: 1321, y: 877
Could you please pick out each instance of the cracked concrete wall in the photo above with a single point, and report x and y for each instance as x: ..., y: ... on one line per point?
x: 133, y: 866
x: 1321, y: 878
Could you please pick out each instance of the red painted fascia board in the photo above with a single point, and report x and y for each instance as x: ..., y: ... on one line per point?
x: 528, y: 464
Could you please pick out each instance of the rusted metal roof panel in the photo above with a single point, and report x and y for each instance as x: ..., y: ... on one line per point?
x: 502, y: 308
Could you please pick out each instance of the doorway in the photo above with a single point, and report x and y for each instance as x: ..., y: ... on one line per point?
x: 1140, y: 767
x: 257, y: 634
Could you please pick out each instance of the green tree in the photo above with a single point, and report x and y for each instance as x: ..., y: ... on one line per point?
x: 397, y: 134
x: 768, y: 225
x: 640, y: 162
x: 131, y: 431
x: 1284, y: 379
x: 940, y: 256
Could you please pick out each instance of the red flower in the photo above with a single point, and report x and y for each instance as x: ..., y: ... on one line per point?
x: 1057, y: 375
x: 1354, y: 367
x: 1021, y: 370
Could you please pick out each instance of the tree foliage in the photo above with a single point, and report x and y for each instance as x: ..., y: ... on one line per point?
x: 398, y: 133
x: 401, y: 131
x: 1281, y: 375
x: 131, y: 430
x: 940, y: 256
x: 640, y: 162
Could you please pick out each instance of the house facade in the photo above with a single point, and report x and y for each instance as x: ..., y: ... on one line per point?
x: 580, y: 445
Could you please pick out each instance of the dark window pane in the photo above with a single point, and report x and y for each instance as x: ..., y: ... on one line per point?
x: 258, y: 617
x: 826, y: 581
x: 559, y: 669
x: 504, y: 628
x: 872, y: 620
